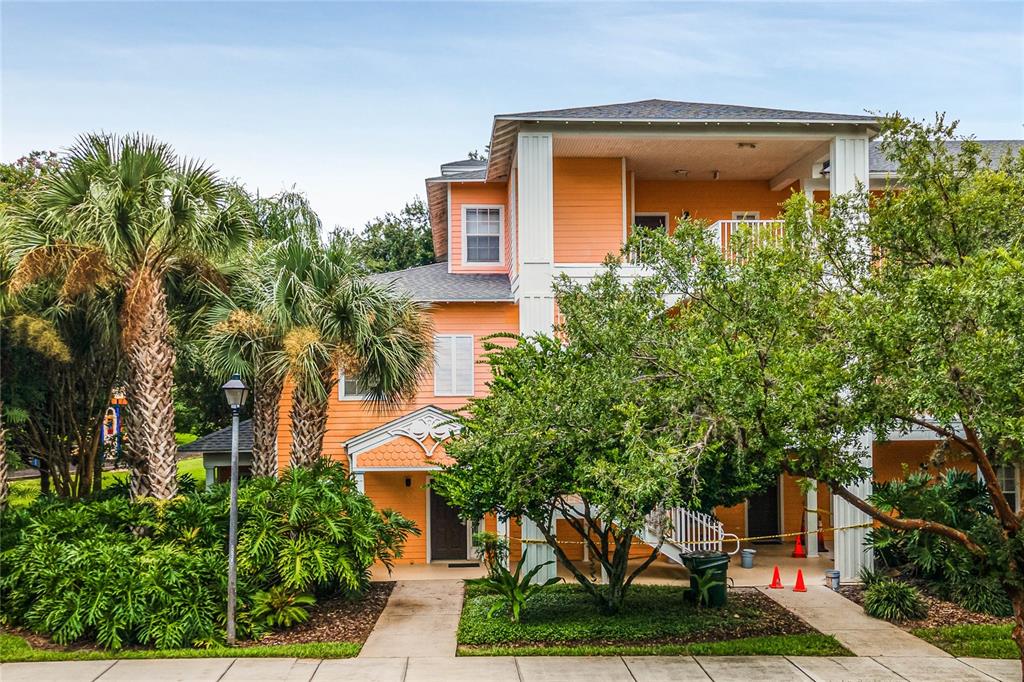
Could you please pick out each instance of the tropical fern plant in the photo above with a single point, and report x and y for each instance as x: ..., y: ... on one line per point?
x: 122, y: 572
x: 280, y: 607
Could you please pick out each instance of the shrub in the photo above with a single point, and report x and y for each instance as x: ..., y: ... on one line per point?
x: 957, y: 499
x: 125, y: 572
x: 281, y: 607
x: 512, y: 589
x: 893, y: 600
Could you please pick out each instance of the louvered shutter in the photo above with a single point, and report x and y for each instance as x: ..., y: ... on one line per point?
x: 443, y: 346
x: 464, y: 365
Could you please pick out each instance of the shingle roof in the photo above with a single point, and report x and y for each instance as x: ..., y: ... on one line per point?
x: 220, y: 441
x: 667, y: 110
x: 433, y: 283
x: 878, y: 163
x: 479, y: 174
x: 465, y: 163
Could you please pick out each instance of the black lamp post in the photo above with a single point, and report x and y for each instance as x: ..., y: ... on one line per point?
x: 236, y: 393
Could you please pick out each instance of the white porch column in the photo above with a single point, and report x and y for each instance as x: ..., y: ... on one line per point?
x: 210, y: 476
x: 535, y: 198
x: 360, y: 481
x: 848, y: 168
x: 812, y: 520
x: 851, y: 553
x: 848, y: 164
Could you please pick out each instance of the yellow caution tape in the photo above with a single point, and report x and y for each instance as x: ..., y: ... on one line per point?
x: 704, y: 542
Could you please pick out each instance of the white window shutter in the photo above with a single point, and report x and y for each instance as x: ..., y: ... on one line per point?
x: 464, y: 365
x: 443, y: 365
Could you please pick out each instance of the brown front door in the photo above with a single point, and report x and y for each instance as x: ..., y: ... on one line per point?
x: 447, y: 530
x: 763, y: 514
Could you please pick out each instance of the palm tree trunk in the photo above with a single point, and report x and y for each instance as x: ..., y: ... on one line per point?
x: 150, y: 361
x: 265, y: 411
x: 309, y: 420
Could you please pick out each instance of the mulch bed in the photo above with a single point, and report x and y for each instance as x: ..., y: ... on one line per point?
x: 940, y: 612
x: 335, y: 620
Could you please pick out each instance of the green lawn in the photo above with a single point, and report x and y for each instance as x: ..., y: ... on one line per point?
x: 977, y: 641
x: 656, y: 619
x: 14, y: 648
x: 23, y: 492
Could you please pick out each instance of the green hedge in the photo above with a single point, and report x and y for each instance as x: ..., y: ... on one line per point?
x: 121, y: 572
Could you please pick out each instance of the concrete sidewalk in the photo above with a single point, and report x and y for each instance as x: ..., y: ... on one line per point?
x: 420, y: 620
x: 522, y: 669
x: 833, y: 614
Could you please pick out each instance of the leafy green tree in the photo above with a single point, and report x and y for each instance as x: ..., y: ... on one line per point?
x: 579, y: 427
x: 124, y: 214
x: 897, y: 312
x: 394, y: 241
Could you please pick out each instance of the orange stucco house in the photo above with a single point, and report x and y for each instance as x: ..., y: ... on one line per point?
x: 561, y: 190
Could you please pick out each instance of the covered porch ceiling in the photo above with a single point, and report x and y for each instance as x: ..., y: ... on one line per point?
x: 775, y: 159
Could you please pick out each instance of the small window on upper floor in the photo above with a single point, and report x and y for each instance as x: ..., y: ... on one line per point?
x: 746, y: 215
x: 1010, y: 484
x: 350, y: 387
x: 482, y: 228
x: 651, y: 221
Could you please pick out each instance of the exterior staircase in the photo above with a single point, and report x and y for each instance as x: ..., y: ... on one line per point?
x: 686, y: 531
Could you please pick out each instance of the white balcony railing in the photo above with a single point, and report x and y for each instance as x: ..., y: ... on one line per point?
x: 760, y: 231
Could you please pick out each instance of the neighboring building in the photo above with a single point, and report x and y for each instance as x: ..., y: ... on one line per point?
x: 216, y: 451
x: 561, y: 190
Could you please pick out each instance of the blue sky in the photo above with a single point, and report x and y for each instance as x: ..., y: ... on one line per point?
x: 356, y: 103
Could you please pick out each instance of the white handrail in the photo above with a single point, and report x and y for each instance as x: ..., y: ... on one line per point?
x: 691, y: 530
x: 762, y: 230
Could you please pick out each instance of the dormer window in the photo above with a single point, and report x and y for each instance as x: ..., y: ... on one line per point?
x: 482, y: 228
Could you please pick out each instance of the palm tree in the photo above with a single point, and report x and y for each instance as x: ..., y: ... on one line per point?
x: 241, y: 337
x: 125, y: 213
x: 339, y: 320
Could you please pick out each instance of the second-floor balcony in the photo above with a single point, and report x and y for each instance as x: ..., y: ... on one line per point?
x: 725, y: 233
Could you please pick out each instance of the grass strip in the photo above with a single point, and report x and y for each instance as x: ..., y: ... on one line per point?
x: 973, y: 641
x: 14, y: 648
x: 777, y: 645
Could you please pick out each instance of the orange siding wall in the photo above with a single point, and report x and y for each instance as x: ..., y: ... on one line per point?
x: 890, y: 458
x: 708, y: 200
x: 475, y: 193
x: 387, y: 490
x: 348, y: 418
x: 587, y: 209
x: 793, y: 500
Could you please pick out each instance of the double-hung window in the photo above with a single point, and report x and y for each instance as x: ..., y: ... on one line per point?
x: 350, y: 387
x: 1007, y: 474
x: 482, y: 226
x: 453, y: 364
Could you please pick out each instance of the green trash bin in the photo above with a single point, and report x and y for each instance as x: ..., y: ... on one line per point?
x: 703, y: 563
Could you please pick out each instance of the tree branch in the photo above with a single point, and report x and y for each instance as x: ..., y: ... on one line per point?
x: 908, y: 524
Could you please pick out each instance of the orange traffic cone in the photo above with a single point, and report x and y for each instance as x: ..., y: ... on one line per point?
x: 799, y: 587
x: 798, y: 551
x: 776, y: 580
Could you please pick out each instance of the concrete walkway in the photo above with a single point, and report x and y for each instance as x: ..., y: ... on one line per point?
x: 522, y: 669
x: 834, y: 614
x: 420, y: 620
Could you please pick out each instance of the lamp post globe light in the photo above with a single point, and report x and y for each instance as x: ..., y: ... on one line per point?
x: 236, y: 393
